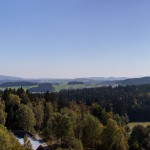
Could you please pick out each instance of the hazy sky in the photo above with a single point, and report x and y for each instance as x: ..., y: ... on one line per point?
x: 74, y: 38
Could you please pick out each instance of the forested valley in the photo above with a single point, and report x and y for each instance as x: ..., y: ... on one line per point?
x: 81, y: 119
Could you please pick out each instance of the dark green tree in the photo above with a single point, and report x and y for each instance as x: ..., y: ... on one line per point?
x: 139, y: 138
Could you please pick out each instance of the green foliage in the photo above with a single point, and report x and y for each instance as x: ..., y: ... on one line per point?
x: 63, y: 125
x: 2, y: 105
x: 14, y: 100
x: 38, y: 110
x: 3, y: 114
x: 2, y: 117
x: 74, y: 143
x: 131, y: 100
x: 74, y: 119
x: 97, y: 111
x: 25, y: 118
x: 113, y: 137
x: 48, y: 121
x: 92, y: 130
x: 8, y: 141
x: 140, y: 138
x: 48, y: 113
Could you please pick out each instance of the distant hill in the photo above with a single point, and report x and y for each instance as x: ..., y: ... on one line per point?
x: 4, y: 79
x: 135, y: 81
x: 98, y: 80
x: 107, y: 78
x: 15, y: 84
x: 43, y: 87
x: 7, y: 81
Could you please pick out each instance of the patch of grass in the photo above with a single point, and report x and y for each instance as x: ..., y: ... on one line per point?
x: 133, y: 124
x: 60, y: 87
x: 75, y: 86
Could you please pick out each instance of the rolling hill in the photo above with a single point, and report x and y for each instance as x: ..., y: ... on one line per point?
x: 135, y: 81
x: 4, y: 78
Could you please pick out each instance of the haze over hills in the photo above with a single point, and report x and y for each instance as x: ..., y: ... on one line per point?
x: 11, y: 81
x: 4, y: 78
x: 107, y: 78
x: 135, y: 81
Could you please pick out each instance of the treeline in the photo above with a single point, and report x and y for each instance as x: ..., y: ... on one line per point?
x: 133, y: 101
x: 75, y: 82
x: 74, y: 119
x: 15, y: 84
x: 42, y: 87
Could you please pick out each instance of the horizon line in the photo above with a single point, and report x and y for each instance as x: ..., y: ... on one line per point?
x: 37, y: 78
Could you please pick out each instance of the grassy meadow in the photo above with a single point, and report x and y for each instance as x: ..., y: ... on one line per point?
x: 75, y: 86
x: 133, y: 124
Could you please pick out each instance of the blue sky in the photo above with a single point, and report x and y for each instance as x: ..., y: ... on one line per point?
x: 74, y: 38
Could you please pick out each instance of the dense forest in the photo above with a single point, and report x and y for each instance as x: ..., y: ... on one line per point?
x: 93, y: 119
x: 19, y: 83
x: 75, y: 82
x: 42, y: 87
x: 132, y: 101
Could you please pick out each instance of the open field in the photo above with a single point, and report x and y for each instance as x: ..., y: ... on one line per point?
x: 75, y: 86
x: 133, y: 124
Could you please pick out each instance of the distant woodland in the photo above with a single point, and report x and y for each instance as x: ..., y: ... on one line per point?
x: 94, y: 118
x: 14, y: 84
x: 75, y: 82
